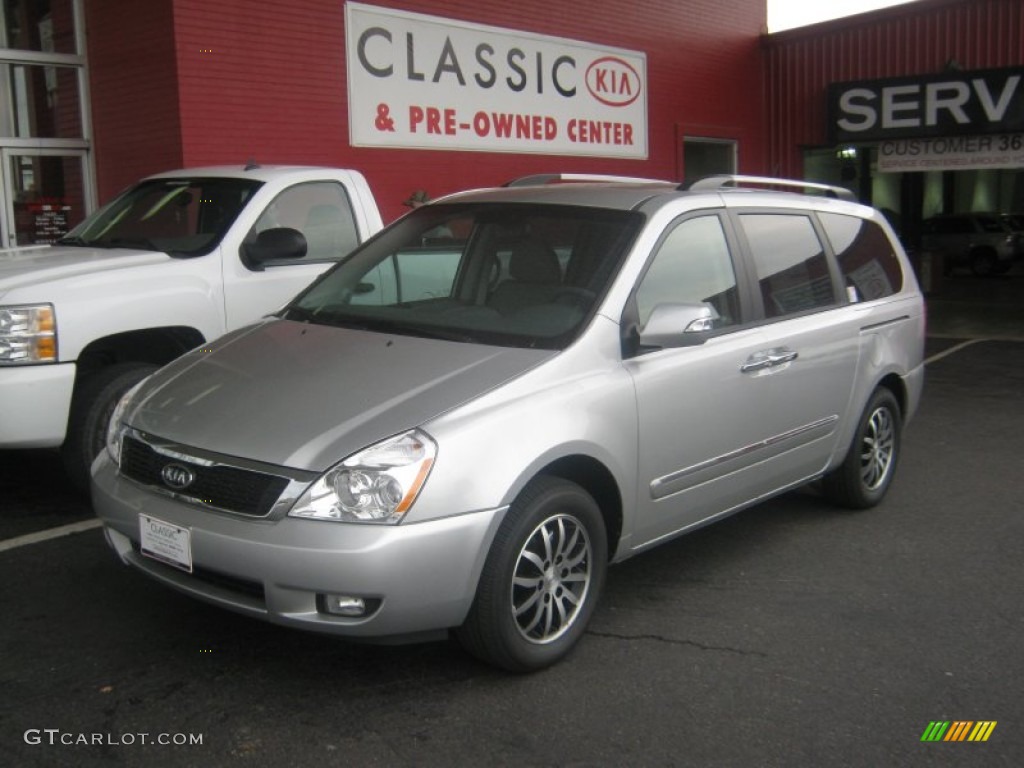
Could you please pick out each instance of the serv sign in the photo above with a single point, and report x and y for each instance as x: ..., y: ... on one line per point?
x: 427, y: 82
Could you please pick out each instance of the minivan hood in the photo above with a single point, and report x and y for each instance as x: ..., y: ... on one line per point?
x: 32, y: 265
x: 308, y: 396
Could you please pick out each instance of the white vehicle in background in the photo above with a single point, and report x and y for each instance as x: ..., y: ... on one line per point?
x: 174, y: 261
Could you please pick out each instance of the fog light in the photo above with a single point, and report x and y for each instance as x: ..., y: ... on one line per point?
x: 343, y: 605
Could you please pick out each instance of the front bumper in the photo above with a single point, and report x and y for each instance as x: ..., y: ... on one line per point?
x: 423, y: 574
x: 34, y: 404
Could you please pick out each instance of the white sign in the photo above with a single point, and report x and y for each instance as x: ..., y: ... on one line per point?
x: 956, y: 153
x: 166, y: 542
x: 427, y: 82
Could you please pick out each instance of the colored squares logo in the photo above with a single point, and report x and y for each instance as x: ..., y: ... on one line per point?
x: 958, y: 730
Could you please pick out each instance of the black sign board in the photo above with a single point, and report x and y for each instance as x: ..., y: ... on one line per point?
x: 947, y: 104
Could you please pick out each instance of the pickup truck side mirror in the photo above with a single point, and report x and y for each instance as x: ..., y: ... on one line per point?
x: 272, y: 245
x: 678, y: 325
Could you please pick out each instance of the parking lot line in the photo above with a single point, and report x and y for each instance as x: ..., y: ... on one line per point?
x: 52, y: 533
x: 956, y: 348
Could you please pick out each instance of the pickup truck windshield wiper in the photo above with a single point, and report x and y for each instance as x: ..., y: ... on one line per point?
x: 73, y: 240
x: 130, y: 242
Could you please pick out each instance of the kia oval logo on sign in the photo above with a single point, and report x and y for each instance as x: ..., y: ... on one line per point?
x: 612, y: 81
x: 177, y: 477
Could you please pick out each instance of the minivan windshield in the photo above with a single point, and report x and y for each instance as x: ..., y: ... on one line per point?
x: 180, y: 216
x: 505, y: 274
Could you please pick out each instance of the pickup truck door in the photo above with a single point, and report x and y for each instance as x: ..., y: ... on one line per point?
x: 323, y: 212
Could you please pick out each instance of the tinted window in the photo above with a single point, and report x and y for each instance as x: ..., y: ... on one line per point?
x: 183, y: 217
x: 866, y: 257
x: 792, y: 269
x: 516, y: 275
x: 949, y: 226
x: 990, y: 224
x: 692, y: 266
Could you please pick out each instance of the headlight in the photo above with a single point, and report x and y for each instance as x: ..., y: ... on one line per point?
x: 376, y: 485
x: 28, y: 335
x: 115, y: 428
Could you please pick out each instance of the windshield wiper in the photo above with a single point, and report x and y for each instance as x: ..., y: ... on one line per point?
x: 131, y: 242
x: 73, y: 240
x: 298, y: 314
x: 338, y: 319
x: 431, y: 333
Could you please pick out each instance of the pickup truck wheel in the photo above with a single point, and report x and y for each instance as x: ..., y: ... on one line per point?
x: 541, y: 580
x: 865, y: 474
x: 92, y: 404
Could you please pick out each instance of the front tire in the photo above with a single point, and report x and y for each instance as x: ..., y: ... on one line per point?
x: 92, y: 404
x: 863, y: 478
x: 541, y: 580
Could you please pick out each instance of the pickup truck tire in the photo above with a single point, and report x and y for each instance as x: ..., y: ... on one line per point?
x: 92, y: 404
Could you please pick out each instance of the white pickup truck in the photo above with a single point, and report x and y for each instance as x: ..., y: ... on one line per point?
x: 174, y: 261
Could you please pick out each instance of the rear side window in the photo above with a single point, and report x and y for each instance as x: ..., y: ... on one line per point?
x: 866, y: 256
x: 792, y: 270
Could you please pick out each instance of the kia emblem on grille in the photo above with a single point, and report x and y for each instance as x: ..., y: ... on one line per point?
x: 177, y: 476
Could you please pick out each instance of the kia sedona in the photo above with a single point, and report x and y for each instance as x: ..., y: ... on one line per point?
x: 459, y: 427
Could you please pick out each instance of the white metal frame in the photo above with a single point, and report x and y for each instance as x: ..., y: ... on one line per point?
x: 49, y: 147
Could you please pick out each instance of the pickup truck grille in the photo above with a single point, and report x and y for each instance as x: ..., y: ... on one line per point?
x: 231, y: 489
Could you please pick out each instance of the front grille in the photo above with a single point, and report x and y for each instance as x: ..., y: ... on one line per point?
x: 242, y: 491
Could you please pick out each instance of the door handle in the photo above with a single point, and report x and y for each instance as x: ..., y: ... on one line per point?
x: 771, y: 358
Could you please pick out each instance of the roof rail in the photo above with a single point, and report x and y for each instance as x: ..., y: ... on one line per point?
x: 724, y: 180
x: 547, y: 178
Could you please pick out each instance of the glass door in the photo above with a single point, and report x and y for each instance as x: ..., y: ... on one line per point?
x: 44, y: 194
x: 46, y: 184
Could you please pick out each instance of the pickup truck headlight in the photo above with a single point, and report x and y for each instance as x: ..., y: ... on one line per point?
x: 28, y: 335
x: 376, y: 485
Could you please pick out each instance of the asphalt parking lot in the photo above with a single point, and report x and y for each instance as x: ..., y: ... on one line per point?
x: 791, y: 634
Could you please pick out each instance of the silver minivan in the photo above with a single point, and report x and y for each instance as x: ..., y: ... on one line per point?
x: 461, y: 425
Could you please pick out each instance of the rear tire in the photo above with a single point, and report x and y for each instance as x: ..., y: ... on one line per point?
x: 863, y: 478
x: 984, y: 262
x: 541, y: 580
x: 92, y: 404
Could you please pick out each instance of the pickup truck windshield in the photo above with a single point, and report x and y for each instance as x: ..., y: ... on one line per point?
x: 504, y: 274
x: 180, y: 216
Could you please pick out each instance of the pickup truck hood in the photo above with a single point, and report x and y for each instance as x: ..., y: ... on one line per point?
x: 33, y: 265
x: 307, y: 396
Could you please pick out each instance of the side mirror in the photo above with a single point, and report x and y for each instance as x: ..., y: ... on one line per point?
x: 678, y: 325
x: 272, y: 245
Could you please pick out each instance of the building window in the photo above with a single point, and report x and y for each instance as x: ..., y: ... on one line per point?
x: 46, y: 184
x: 707, y: 157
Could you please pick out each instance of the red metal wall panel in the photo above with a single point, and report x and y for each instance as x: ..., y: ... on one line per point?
x: 918, y: 38
x: 134, y: 90
x: 263, y: 79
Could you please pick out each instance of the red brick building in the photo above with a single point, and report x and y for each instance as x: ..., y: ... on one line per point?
x: 441, y: 95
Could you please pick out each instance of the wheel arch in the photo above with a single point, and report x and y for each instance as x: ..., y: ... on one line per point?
x: 157, y: 346
x: 598, y: 481
x: 897, y: 386
x: 891, y: 381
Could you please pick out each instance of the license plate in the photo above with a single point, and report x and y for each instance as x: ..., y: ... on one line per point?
x: 165, y: 542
